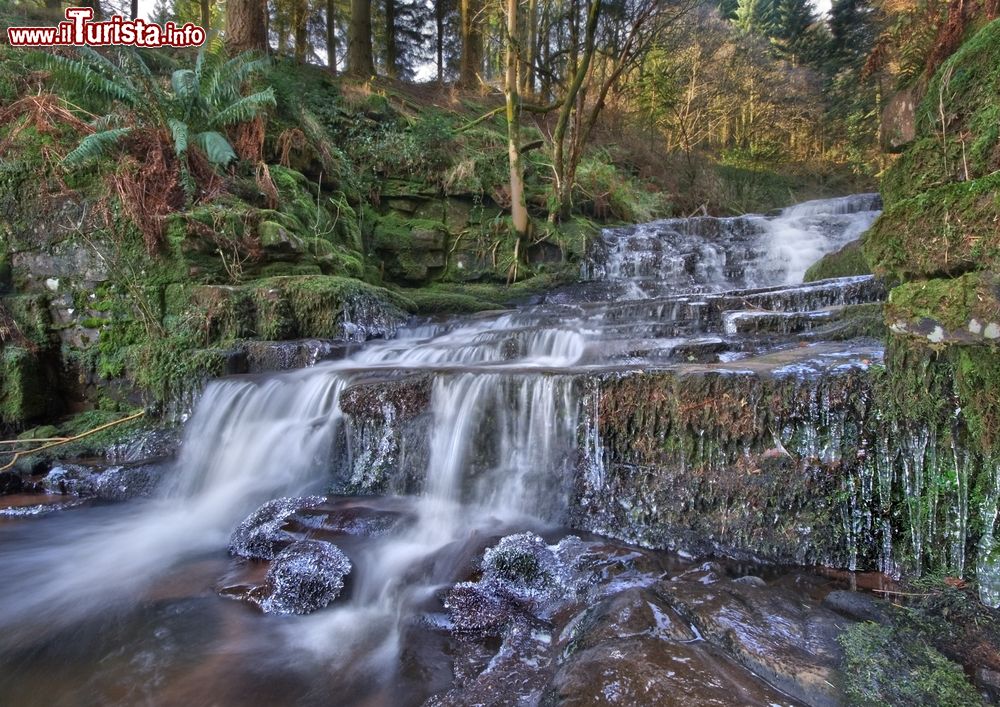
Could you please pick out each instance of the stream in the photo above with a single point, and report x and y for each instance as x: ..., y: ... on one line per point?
x: 423, y: 452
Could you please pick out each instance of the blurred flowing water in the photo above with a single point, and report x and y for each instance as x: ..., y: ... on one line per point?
x: 119, y: 603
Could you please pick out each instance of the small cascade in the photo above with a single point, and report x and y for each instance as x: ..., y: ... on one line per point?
x: 713, y: 254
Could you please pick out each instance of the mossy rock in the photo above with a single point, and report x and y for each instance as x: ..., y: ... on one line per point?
x: 412, y: 251
x: 31, y: 316
x: 948, y: 230
x: 925, y: 164
x: 277, y: 240
x: 957, y: 123
x: 963, y: 310
x: 846, y: 262
x: 430, y: 301
x: 888, y: 667
x: 23, y: 386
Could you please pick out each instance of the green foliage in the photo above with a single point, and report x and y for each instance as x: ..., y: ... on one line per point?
x: 883, y: 667
x: 757, y: 16
x: 604, y: 193
x: 201, y: 102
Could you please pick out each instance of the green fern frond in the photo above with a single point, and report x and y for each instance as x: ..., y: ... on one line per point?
x: 83, y: 76
x: 184, y: 83
x: 107, y: 122
x: 95, y: 146
x: 225, y: 81
x: 216, y: 147
x: 179, y: 133
x: 245, y: 109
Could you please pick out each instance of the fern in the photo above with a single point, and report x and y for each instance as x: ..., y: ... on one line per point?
x: 84, y: 75
x: 245, y: 109
x: 200, y: 103
x: 216, y: 147
x: 95, y: 146
x: 179, y: 133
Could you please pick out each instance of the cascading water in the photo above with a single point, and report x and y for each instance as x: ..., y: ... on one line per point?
x: 714, y: 254
x: 505, y: 436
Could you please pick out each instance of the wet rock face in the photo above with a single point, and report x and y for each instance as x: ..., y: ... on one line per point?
x: 117, y: 483
x: 261, y: 535
x: 787, y: 641
x: 305, y: 576
x: 746, y: 463
x: 624, y: 631
x: 387, y: 431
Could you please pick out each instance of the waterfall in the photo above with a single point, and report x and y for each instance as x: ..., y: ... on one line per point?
x: 509, y: 425
x: 715, y: 254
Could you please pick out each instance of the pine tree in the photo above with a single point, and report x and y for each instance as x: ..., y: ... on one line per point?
x: 727, y: 8
x: 793, y: 38
x: 852, y: 32
x: 756, y: 17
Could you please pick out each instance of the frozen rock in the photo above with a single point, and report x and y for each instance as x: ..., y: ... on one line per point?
x: 261, y: 535
x: 305, y: 576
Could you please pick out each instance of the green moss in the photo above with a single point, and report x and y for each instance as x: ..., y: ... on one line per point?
x: 22, y: 386
x: 849, y: 260
x: 883, y: 667
x: 946, y: 230
x: 958, y: 123
x: 967, y: 90
x: 427, y: 301
x: 951, y: 302
x: 31, y: 315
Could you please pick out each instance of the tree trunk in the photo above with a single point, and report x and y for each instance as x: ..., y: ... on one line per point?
x: 530, y: 49
x: 96, y: 6
x: 206, y: 14
x: 391, y: 50
x: 518, y: 210
x: 133, y: 9
x: 331, y: 35
x: 565, y: 170
x: 439, y: 38
x: 245, y: 25
x: 300, y: 19
x: 360, y: 62
x: 472, y: 43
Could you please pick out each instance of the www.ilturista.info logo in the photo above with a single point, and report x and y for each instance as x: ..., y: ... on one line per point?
x: 78, y: 30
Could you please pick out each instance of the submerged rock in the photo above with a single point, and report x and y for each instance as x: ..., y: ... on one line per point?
x: 781, y: 636
x: 305, y: 576
x: 121, y: 483
x: 260, y: 536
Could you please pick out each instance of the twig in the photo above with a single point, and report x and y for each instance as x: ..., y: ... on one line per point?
x: 18, y: 455
x: 35, y: 439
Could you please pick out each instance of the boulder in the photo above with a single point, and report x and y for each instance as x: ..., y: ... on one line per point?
x: 261, y: 535
x: 305, y: 576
